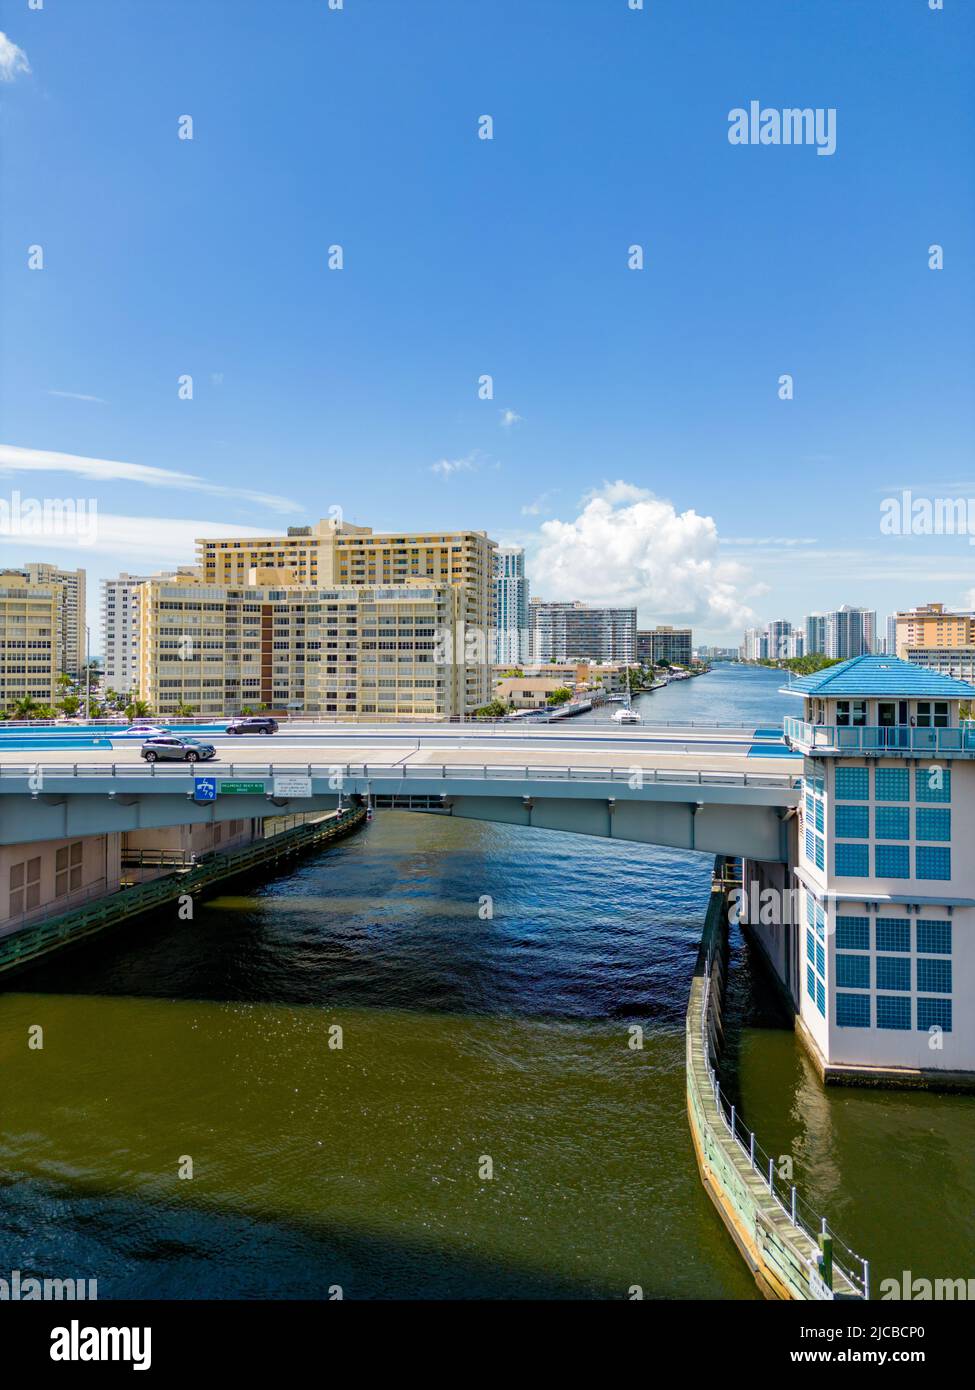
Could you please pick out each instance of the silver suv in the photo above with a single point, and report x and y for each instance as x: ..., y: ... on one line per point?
x: 185, y: 750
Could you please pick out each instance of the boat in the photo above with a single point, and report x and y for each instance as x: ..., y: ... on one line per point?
x: 626, y: 714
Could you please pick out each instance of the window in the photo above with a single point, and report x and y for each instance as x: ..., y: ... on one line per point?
x: 853, y: 822
x: 934, y: 976
x: 67, y: 867
x: 853, y: 784
x: 851, y: 712
x: 933, y: 783
x: 820, y: 959
x: 821, y: 997
x: 852, y: 861
x: 894, y: 972
x: 852, y: 972
x: 933, y: 862
x: 853, y: 1010
x: 810, y: 982
x: 893, y: 823
x: 893, y: 784
x: 934, y: 824
x: 893, y: 1012
x: 932, y: 714
x: 933, y: 938
x: 893, y: 861
x: 893, y: 934
x: 853, y: 933
x: 934, y: 1013
x: 25, y: 886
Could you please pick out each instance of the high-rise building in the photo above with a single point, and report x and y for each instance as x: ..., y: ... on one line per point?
x: 780, y: 639
x: 512, y: 633
x: 890, y: 635
x: 663, y: 644
x: 755, y: 645
x: 335, y: 553
x: 30, y: 622
x: 939, y: 638
x: 120, y: 631
x: 815, y: 634
x: 71, y: 643
x: 570, y: 631
x: 850, y: 632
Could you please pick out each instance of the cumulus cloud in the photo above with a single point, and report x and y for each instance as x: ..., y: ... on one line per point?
x: 509, y: 418
x: 16, y: 460
x: 12, y: 59
x: 627, y: 546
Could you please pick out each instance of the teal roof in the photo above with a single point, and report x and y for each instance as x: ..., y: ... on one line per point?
x: 865, y: 676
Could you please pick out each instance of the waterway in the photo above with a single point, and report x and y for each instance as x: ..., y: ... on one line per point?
x: 485, y: 979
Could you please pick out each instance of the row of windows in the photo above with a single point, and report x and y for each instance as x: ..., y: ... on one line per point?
x: 933, y: 937
x: 893, y: 823
x: 931, y: 784
x: 892, y: 861
x: 893, y: 973
x: 892, y: 1011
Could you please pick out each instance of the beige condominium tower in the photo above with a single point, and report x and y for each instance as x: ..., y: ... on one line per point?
x: 326, y: 620
x: 29, y: 615
x: 70, y: 585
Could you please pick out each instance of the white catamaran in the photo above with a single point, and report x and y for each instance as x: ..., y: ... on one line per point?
x: 626, y: 714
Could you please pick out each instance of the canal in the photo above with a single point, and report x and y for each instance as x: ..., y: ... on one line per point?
x: 485, y: 980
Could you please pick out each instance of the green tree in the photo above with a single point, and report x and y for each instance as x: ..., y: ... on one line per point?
x: 497, y: 709
x: 69, y: 705
x: 138, y: 709
x: 559, y: 697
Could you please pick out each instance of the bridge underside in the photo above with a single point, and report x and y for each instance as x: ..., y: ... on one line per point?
x: 708, y: 820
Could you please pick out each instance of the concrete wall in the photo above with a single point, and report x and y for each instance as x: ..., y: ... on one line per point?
x: 30, y: 880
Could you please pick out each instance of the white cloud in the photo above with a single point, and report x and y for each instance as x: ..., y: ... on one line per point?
x: 539, y: 504
x: 509, y: 418
x: 629, y: 547
x: 446, y: 468
x: 17, y: 460
x: 150, y: 542
x: 77, y: 396
x: 12, y: 59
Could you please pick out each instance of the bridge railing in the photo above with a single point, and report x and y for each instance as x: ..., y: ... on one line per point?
x: 633, y: 776
x: 853, y: 1267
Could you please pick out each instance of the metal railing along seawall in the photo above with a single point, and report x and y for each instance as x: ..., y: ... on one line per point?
x: 790, y: 1248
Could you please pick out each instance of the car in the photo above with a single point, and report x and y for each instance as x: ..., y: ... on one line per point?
x: 144, y: 730
x: 252, y: 724
x: 177, y: 749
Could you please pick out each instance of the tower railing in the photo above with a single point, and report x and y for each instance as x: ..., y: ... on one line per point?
x: 955, y: 741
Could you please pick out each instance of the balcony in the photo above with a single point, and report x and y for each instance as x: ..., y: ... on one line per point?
x: 874, y: 739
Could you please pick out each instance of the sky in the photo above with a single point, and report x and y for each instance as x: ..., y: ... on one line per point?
x: 638, y: 438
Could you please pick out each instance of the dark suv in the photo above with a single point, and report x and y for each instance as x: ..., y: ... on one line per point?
x: 252, y: 724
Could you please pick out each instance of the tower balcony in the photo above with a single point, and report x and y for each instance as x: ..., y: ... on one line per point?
x: 878, y: 740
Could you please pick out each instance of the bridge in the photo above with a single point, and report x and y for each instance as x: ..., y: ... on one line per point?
x: 727, y: 791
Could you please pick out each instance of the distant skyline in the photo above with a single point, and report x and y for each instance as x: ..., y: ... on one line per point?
x: 634, y: 439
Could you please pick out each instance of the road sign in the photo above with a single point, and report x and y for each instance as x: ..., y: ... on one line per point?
x: 204, y: 789
x: 288, y: 787
x: 242, y: 788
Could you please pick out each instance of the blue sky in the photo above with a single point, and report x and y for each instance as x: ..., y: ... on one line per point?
x: 315, y: 388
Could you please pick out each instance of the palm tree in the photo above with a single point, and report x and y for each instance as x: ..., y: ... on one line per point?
x: 184, y: 710
x: 26, y: 708
x: 138, y: 709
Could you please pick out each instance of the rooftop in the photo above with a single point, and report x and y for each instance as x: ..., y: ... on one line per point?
x: 865, y: 676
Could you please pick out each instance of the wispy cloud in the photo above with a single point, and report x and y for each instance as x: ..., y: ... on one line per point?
x: 509, y: 418
x: 540, y: 504
x: 13, y: 60
x: 446, y: 468
x: 16, y: 460
x: 77, y: 396
x: 778, y: 542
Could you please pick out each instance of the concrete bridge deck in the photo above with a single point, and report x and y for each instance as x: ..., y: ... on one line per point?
x: 621, y: 785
